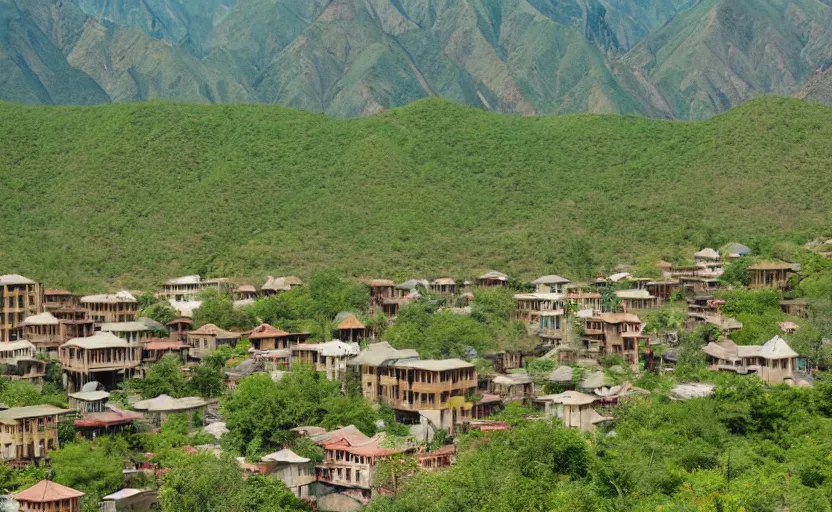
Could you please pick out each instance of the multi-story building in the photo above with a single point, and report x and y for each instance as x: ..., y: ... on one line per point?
x: 770, y: 274
x: 60, y: 299
x: 103, y: 357
x: 444, y: 286
x: 179, y: 328
x: 382, y: 293
x: 774, y: 362
x: 550, y: 284
x: 21, y: 364
x: 20, y: 297
x: 208, y: 338
x: 616, y: 333
x: 29, y: 433
x: 329, y: 358
x: 542, y: 311
x: 636, y: 299
x: 131, y: 332
x: 492, y: 279
x: 118, y: 307
x: 265, y: 337
x: 188, y: 288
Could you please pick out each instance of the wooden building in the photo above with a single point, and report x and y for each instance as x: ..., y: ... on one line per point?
x: 543, y: 311
x: 616, y: 333
x: 29, y: 433
x: 770, y: 274
x: 636, y: 300
x: 444, y: 287
x: 19, y: 362
x: 109, y: 421
x: 118, y: 307
x: 75, y: 323
x: 795, y: 307
x: 274, y: 285
x: 156, y: 348
x: 48, y: 496
x: 582, y: 300
x: 20, y: 297
x: 551, y: 284
x: 513, y: 387
x: 245, y: 292
x: 774, y: 362
x: 351, y: 329
x: 179, y: 327
x: 131, y: 332
x: 88, y: 401
x: 44, y: 331
x: 329, y: 358
x: 264, y: 338
x: 382, y: 293
x: 130, y: 500
x: 208, y: 338
x: 664, y: 290
x: 104, y: 358
x: 492, y: 279
x: 60, y: 299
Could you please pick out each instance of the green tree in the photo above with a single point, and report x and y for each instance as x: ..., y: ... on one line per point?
x: 93, y: 468
x: 159, y: 311
x: 342, y: 411
x: 332, y: 294
x: 493, y: 304
x: 206, y: 381
x: 164, y: 377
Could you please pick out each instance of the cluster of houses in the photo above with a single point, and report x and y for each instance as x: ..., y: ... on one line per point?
x: 100, y: 340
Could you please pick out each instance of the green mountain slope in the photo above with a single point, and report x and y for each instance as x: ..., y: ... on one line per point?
x: 133, y: 193
x: 723, y: 52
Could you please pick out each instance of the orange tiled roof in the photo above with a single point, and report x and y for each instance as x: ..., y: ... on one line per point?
x: 351, y: 322
x: 46, y: 491
x: 266, y: 331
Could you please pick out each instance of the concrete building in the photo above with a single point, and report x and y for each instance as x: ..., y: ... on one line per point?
x: 104, y: 357
x: 329, y: 358
x: 208, y: 338
x: 20, y: 297
x: 117, y: 307
x: 29, y: 433
x: 573, y: 408
x: 774, y: 362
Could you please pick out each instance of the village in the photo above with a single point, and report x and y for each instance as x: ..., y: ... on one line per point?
x: 578, y: 355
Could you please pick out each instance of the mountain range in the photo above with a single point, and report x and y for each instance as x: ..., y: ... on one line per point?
x: 672, y: 59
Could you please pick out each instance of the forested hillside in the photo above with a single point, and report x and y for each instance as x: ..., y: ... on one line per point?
x: 129, y: 194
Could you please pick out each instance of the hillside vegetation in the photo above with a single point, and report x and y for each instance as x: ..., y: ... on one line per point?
x: 130, y: 194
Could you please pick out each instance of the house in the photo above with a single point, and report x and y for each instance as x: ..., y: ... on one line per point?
x: 208, y: 338
x: 350, y: 460
x: 329, y: 358
x: 29, y: 433
x: 492, y: 279
x: 550, y: 284
x: 156, y: 348
x: 725, y: 324
x: 88, y: 401
x: 505, y: 360
x: 245, y: 292
x: 44, y: 331
x: 543, y: 311
x: 442, y: 457
x: 582, y: 300
x: 770, y: 274
x: 434, y: 392
x: 160, y: 408
x: 188, y: 288
x: 131, y: 332
x: 382, y: 293
x: 706, y: 255
x: 795, y: 307
x: 264, y: 337
x: 297, y: 472
x: 351, y: 329
x: 20, y: 297
x: 118, y: 307
x: 444, y: 286
x: 103, y: 357
x: 60, y: 299
x: 573, y: 408
x: 485, y: 406
x: 774, y: 362
x: 617, y: 333
x: 19, y: 362
x: 47, y: 496
x: 663, y: 290
x: 110, y: 420
x: 75, y: 323
x: 636, y: 299
x: 178, y: 328
x: 274, y: 285
x: 513, y: 387
x: 130, y: 500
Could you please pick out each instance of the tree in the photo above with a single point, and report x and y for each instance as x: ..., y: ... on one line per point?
x: 164, y: 377
x: 333, y: 294
x: 20, y: 393
x: 162, y: 312
x: 390, y: 472
x: 343, y: 411
x: 92, y: 467
x: 579, y: 257
x: 206, y: 381
x: 493, y: 304
x: 217, y: 308
x: 609, y: 300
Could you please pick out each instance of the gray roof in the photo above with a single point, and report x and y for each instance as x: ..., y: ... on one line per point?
x: 512, y: 379
x: 551, y: 279
x: 777, y: 348
x: 45, y: 318
x: 412, y: 284
x: 32, y: 411
x: 285, y: 456
x: 14, y: 279
x: 100, y: 340
x: 152, y: 324
x: 493, y: 274
x: 436, y: 365
x: 376, y: 354
x: 164, y: 403
x: 595, y: 380
x: 11, y: 346
x: 124, y: 327
x: 568, y: 398
x: 90, y: 396
x: 562, y: 374
x: 116, y: 298
x: 334, y: 348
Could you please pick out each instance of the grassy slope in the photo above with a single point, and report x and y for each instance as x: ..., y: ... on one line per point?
x: 130, y: 194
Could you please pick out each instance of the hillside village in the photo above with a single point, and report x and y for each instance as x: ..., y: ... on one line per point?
x: 333, y: 393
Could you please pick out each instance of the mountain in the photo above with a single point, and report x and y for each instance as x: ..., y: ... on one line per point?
x: 671, y: 59
x: 818, y: 88
x: 129, y: 194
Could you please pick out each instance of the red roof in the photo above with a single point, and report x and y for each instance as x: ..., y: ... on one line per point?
x: 246, y: 288
x: 351, y: 323
x: 266, y: 331
x: 109, y: 418
x: 369, y: 450
x: 46, y: 491
x: 160, y: 344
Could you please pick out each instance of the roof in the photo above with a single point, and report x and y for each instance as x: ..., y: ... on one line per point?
x: 246, y: 288
x: 195, y: 279
x: 493, y: 274
x: 151, y: 323
x: 163, y: 403
x: 46, y: 491
x: 31, y: 411
x: 539, y: 296
x: 595, y: 380
x: 443, y: 281
x: 332, y: 348
x: 41, y: 319
x: 771, y: 265
x: 412, y: 284
x: 568, y: 398
x: 124, y: 327
x: 551, y: 279
x: 13, y: 279
x: 57, y: 293
x: 376, y: 283
x: 263, y: 331
x: 114, y: 416
x: 286, y: 456
x: 181, y: 320
x: 123, y: 494
x: 11, y: 346
x: 213, y: 330
x: 562, y: 374
x: 664, y: 264
x: 578, y: 294
x: 350, y: 322
x: 90, y: 396
x: 351, y: 440
x: 276, y: 284
x: 777, y: 348
x: 99, y: 340
x: 633, y: 294
x: 376, y: 354
x: 619, y: 276
x: 707, y: 253
x: 436, y: 365
x: 512, y: 379
x: 122, y: 296
x: 617, y: 318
